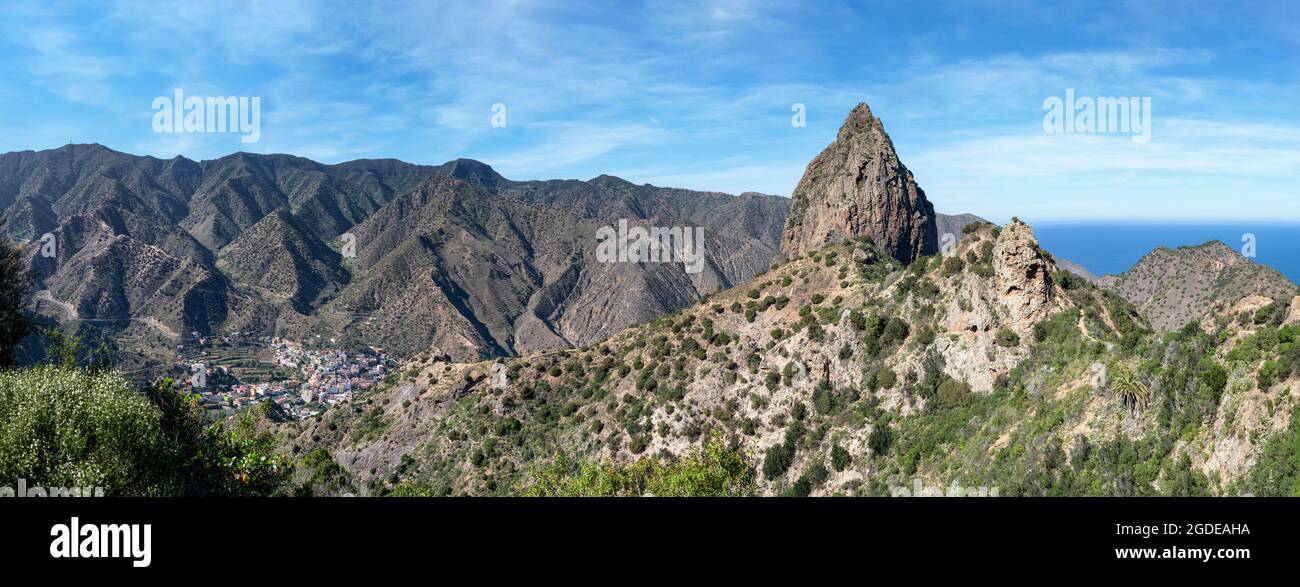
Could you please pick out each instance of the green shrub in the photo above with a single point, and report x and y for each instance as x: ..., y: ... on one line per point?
x: 712, y: 471
x: 1275, y: 472
x: 777, y: 461
x: 66, y: 427
x: 880, y: 439
x: 840, y: 458
x: 952, y: 393
x: 1267, y: 375
x: 886, y: 378
x: 62, y: 426
x: 952, y: 266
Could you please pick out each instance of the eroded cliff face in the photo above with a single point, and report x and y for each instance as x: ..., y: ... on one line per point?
x: 1022, y: 275
x: 858, y: 187
x: 1018, y: 294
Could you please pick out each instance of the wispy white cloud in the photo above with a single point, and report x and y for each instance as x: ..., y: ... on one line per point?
x: 1191, y: 168
x: 62, y: 66
x: 692, y: 94
x: 776, y: 180
x: 568, y: 146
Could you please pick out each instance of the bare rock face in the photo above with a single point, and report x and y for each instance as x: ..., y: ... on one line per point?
x: 1022, y: 274
x: 1294, y: 315
x: 857, y: 186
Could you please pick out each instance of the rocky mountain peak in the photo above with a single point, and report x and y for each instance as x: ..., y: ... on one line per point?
x: 475, y: 172
x: 860, y: 120
x: 856, y: 187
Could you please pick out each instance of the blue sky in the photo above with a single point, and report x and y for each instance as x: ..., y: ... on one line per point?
x: 699, y: 94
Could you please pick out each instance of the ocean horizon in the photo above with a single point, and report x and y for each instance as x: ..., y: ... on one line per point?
x: 1113, y: 247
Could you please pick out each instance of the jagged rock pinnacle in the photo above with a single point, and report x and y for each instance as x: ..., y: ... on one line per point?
x: 855, y: 187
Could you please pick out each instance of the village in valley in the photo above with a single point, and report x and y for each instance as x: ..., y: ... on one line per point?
x: 237, y: 370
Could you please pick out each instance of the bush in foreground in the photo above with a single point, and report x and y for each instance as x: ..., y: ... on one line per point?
x: 64, y: 426
x: 712, y: 471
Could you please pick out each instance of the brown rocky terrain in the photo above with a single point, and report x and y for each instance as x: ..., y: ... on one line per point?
x: 845, y: 373
x: 452, y: 256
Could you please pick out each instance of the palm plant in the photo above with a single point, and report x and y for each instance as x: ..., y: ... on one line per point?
x: 1129, y: 387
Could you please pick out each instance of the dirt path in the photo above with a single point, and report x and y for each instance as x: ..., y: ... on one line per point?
x: 73, y: 314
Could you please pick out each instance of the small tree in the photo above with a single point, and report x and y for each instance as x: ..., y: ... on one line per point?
x: 1129, y: 388
x: 840, y: 458
x: 13, y: 282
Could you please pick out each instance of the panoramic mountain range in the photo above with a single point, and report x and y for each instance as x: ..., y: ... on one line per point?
x: 865, y: 360
x: 379, y: 252
x: 409, y: 257
x: 837, y: 342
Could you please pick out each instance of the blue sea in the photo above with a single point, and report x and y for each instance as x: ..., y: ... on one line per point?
x: 1114, y: 248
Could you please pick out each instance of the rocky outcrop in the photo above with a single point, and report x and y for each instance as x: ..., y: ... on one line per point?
x: 855, y: 187
x: 1294, y: 315
x: 1022, y: 275
x: 1018, y: 294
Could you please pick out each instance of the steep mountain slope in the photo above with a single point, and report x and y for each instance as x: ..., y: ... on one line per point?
x: 858, y: 187
x: 1172, y: 287
x: 306, y: 271
x: 1076, y: 269
x: 843, y: 372
x: 954, y: 224
x: 513, y: 270
x: 373, y: 251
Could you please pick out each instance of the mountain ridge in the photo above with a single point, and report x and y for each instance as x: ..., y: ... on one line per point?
x: 260, y: 238
x: 1175, y: 286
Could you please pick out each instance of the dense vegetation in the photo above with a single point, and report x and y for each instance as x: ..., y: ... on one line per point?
x: 13, y: 281
x: 70, y: 425
x: 64, y: 426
